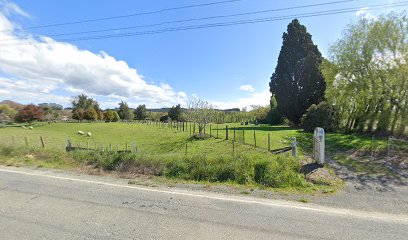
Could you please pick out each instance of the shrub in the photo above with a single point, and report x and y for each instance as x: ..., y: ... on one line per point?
x: 90, y: 114
x: 322, y: 115
x: 29, y: 114
x: 274, y: 117
x: 164, y: 118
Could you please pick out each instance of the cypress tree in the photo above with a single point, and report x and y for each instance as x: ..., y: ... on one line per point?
x: 297, y: 82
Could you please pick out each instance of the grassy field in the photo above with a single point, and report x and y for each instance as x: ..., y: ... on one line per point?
x: 166, y: 151
x: 162, y: 139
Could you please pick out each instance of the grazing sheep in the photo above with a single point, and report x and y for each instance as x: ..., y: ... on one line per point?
x: 80, y: 133
x: 30, y: 127
x: 89, y: 134
x: 23, y: 126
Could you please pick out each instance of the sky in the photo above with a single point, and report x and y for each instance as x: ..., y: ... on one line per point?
x: 229, y: 66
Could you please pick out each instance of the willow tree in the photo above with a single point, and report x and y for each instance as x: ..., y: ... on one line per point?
x: 367, y: 75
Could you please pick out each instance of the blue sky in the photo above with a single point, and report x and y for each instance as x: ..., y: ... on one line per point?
x: 228, y: 66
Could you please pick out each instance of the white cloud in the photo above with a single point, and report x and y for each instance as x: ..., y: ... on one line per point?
x: 247, y: 88
x: 9, y: 8
x: 261, y: 98
x: 39, y: 67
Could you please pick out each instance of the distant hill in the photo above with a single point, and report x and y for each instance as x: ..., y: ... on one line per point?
x: 12, y: 104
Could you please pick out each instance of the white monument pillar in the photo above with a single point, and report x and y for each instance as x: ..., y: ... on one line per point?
x: 318, y: 145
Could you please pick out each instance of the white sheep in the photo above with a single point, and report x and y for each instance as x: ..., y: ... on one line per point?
x: 80, y: 133
x: 23, y: 126
x: 31, y: 127
x: 89, y: 134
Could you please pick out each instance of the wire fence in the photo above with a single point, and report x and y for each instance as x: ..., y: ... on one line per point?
x: 236, y: 136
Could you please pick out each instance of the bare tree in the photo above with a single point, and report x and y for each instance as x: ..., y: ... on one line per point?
x: 200, y: 112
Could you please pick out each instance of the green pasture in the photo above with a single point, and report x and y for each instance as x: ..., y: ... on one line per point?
x: 167, y: 139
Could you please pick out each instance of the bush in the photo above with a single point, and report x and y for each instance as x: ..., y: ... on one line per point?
x: 29, y: 114
x: 323, y: 115
x: 164, y: 118
x: 274, y: 117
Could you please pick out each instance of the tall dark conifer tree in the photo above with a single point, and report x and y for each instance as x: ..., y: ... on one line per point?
x: 297, y: 82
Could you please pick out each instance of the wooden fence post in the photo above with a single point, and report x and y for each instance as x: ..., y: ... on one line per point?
x: 234, y: 134
x: 254, y: 138
x: 210, y: 131
x: 42, y: 142
x: 26, y: 141
x: 233, y: 148
x: 243, y: 134
x: 269, y: 141
x: 226, y: 132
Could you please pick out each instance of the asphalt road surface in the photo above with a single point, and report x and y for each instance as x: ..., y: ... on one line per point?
x: 45, y: 204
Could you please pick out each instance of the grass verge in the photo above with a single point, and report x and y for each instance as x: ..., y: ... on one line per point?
x: 259, y: 170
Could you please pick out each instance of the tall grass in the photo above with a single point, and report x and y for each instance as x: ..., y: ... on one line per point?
x: 273, y: 171
x: 268, y: 170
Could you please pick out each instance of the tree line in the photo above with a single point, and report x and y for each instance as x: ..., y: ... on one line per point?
x: 361, y: 87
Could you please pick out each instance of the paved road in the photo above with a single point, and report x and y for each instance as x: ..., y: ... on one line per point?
x: 45, y: 204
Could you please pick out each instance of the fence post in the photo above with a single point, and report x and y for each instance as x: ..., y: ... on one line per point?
x: 110, y: 146
x: 210, y: 131
x: 294, y: 147
x: 69, y: 144
x: 269, y: 141
x: 186, y: 148
x: 183, y: 125
x: 226, y: 132
x: 234, y: 134
x: 42, y: 142
x: 233, y: 148
x: 134, y: 147
x: 254, y: 138
x: 26, y: 141
x: 217, y: 130
x: 243, y: 134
